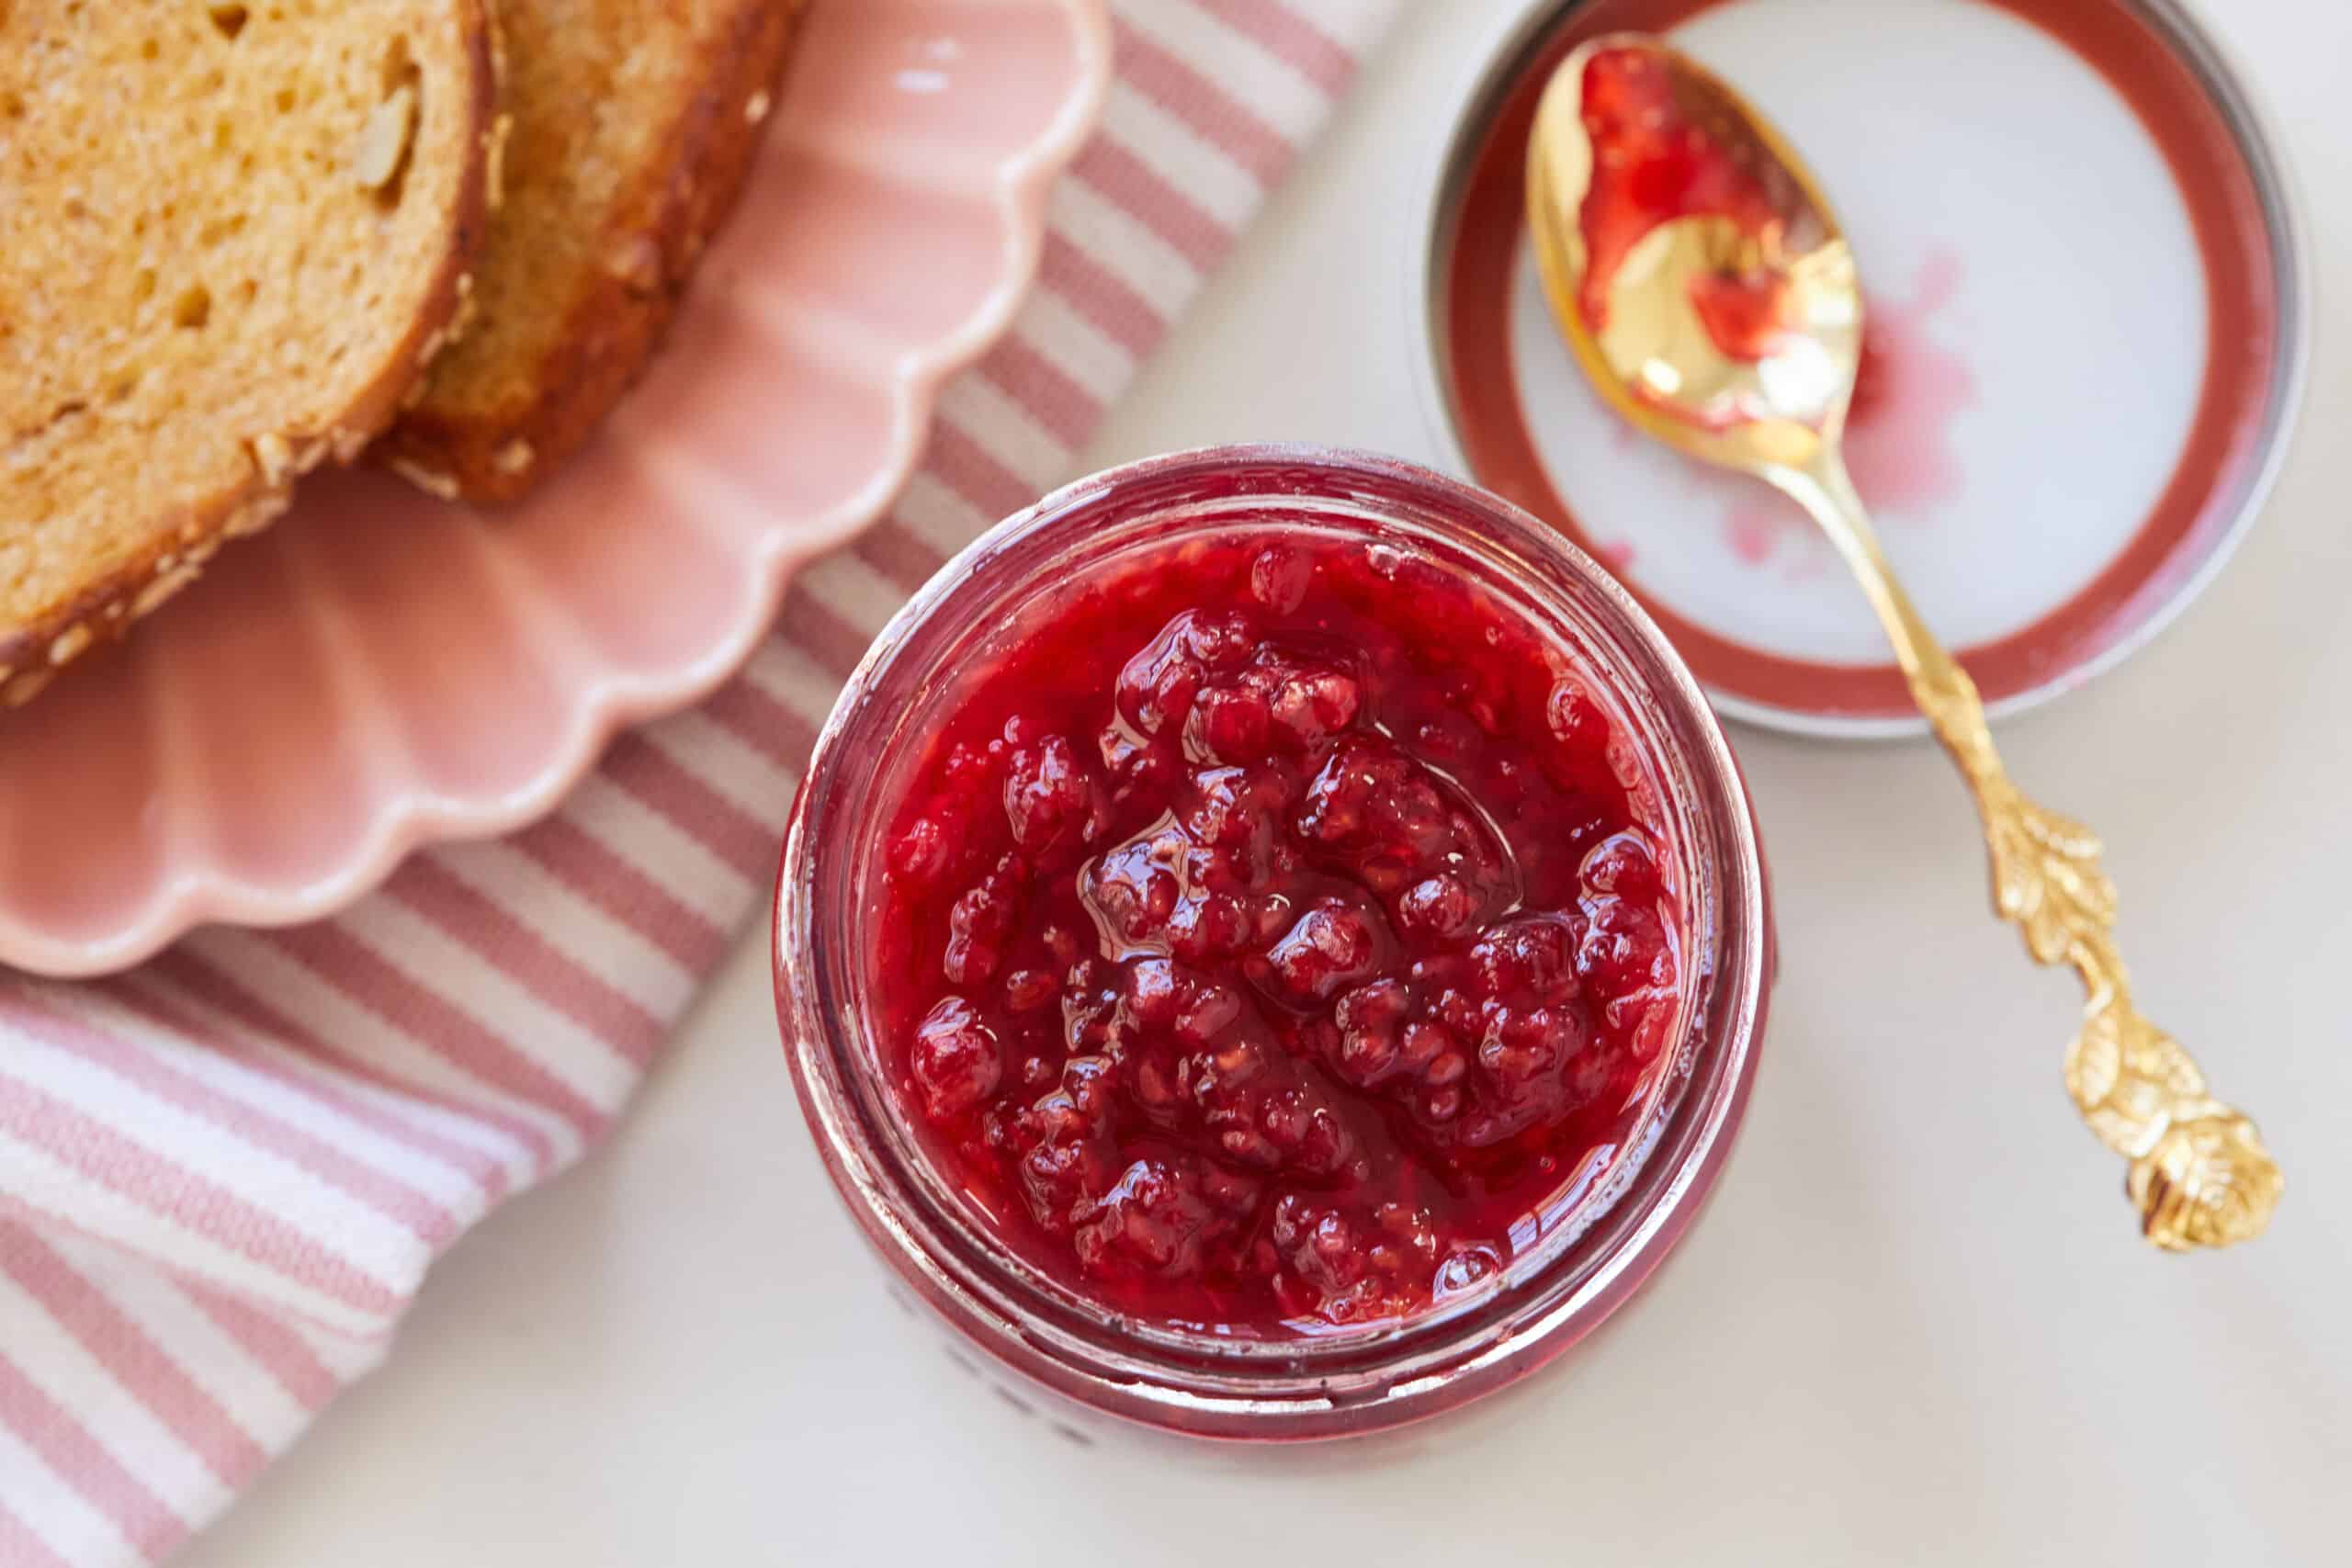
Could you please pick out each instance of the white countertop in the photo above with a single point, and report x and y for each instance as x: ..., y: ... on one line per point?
x: 1915, y: 1325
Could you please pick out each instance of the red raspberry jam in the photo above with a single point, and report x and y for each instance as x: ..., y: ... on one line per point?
x: 1276, y: 940
x: 1651, y: 166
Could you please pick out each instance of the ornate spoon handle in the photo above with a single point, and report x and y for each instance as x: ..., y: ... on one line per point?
x: 2199, y: 1174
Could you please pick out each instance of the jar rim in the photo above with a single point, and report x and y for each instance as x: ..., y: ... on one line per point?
x: 1361, y: 1377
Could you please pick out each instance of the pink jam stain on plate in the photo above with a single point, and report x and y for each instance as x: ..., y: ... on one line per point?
x: 1898, y: 436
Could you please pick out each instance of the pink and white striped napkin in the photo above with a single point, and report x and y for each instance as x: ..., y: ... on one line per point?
x: 222, y: 1175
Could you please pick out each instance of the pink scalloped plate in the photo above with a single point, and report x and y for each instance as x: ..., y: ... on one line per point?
x: 380, y: 671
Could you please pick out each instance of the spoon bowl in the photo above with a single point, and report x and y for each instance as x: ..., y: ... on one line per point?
x: 1649, y: 347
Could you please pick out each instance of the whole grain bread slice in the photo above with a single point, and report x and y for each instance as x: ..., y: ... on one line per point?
x: 233, y: 235
x: 634, y: 123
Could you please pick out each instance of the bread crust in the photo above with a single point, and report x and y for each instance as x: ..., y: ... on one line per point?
x: 105, y: 607
x: 653, y: 237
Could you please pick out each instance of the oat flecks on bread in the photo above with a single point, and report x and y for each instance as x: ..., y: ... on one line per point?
x: 634, y: 123
x: 230, y: 236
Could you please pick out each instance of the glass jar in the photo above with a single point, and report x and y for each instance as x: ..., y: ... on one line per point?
x: 1348, y: 1380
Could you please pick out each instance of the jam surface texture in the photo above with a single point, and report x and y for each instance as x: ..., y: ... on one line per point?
x: 1272, y: 939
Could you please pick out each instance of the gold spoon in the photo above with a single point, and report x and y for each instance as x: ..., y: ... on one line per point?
x: 1775, y: 406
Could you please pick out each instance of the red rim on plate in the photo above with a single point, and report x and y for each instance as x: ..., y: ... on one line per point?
x: 2229, y: 338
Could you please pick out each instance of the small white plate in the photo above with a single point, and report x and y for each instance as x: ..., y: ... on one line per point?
x: 2085, y: 341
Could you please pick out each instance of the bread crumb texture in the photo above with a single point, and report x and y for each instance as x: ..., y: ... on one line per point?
x: 230, y: 229
x: 630, y: 134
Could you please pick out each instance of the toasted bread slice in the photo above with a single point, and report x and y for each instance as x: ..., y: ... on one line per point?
x: 633, y: 121
x: 233, y: 235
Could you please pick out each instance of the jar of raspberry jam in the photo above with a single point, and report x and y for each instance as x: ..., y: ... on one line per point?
x: 1271, y: 943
